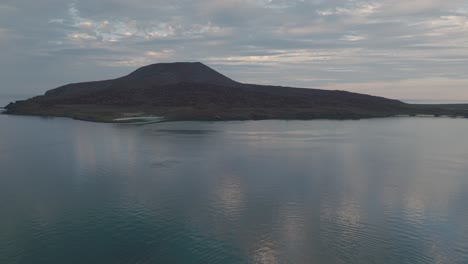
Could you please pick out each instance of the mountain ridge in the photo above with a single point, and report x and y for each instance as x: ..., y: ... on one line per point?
x: 194, y: 91
x: 154, y: 74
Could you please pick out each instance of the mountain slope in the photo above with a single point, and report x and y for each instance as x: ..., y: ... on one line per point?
x: 193, y: 91
x: 152, y: 75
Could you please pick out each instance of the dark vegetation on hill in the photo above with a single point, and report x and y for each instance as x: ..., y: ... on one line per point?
x: 193, y: 91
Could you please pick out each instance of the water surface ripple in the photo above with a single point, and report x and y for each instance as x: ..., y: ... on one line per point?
x: 371, y: 191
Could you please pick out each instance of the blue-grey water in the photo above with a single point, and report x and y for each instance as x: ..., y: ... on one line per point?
x: 372, y: 191
x: 419, y: 101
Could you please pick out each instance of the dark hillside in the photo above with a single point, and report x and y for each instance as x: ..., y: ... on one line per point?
x: 193, y: 91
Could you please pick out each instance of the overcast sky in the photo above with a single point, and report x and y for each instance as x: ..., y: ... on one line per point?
x: 412, y: 49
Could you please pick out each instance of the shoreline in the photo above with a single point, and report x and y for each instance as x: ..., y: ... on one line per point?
x: 159, y: 119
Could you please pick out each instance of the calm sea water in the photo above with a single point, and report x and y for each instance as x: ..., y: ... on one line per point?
x: 410, y: 101
x: 373, y: 191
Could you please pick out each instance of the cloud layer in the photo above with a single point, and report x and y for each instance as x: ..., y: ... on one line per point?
x: 400, y: 49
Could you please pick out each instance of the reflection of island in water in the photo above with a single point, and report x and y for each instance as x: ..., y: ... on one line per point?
x: 193, y: 91
x: 371, y: 191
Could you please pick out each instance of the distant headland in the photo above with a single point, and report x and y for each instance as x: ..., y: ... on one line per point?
x: 194, y: 91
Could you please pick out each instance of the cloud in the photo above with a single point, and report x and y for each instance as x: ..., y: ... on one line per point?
x: 353, y: 38
x: 3, y: 33
x: 130, y: 29
x: 361, y: 9
x: 137, y: 60
x: 308, y: 43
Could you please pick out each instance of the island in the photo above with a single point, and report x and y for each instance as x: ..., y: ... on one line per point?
x: 193, y: 91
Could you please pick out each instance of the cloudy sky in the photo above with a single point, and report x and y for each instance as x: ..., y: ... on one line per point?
x: 415, y: 49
